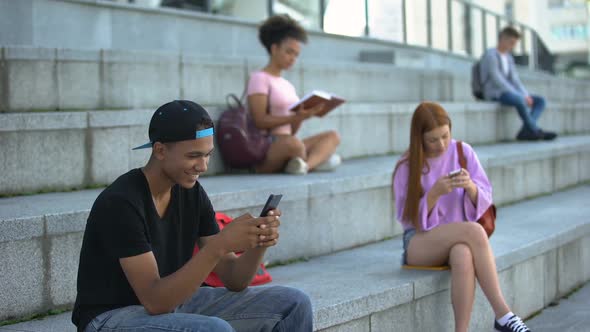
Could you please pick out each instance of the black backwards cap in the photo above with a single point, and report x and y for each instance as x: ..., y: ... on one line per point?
x: 177, y: 121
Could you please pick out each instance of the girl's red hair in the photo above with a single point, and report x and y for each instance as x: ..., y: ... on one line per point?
x: 427, y: 116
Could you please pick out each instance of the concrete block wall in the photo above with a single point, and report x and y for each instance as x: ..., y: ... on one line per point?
x: 97, y: 87
x: 65, y: 79
x: 34, y: 159
x: 47, y: 254
x: 78, y: 79
x: 64, y: 150
x: 528, y: 287
x: 106, y: 25
x: 530, y: 273
x: 38, y: 79
x: 391, y: 298
x: 530, y: 245
x: 53, y: 151
x: 89, y: 145
x: 44, y: 232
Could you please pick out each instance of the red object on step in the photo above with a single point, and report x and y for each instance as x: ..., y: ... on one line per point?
x: 262, y: 276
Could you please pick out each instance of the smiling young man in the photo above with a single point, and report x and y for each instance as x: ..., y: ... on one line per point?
x: 136, y: 267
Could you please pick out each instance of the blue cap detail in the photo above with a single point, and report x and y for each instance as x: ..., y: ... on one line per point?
x: 199, y: 134
x: 204, y: 133
x: 145, y: 146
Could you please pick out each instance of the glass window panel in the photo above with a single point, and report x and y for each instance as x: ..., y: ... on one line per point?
x: 256, y: 10
x: 386, y: 20
x: 307, y: 12
x: 345, y: 17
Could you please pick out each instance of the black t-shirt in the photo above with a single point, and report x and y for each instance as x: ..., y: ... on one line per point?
x: 124, y: 222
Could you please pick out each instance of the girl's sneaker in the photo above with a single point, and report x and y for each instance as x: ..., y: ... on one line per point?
x: 515, y: 324
x: 329, y: 165
x: 296, y: 166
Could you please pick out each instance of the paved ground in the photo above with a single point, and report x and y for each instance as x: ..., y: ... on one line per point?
x: 571, y: 314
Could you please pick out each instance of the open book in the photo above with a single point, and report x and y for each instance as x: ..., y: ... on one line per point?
x: 316, y: 97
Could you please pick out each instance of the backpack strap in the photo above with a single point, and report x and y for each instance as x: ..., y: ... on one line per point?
x: 231, y: 99
x: 462, y: 160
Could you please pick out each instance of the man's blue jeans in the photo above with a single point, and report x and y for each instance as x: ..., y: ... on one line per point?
x: 529, y: 117
x: 274, y: 308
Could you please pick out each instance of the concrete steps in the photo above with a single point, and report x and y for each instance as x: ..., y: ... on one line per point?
x: 85, y: 79
x: 538, y: 258
x: 40, y: 235
x: 53, y: 151
x: 105, y: 82
x: 569, y: 315
x: 364, y: 289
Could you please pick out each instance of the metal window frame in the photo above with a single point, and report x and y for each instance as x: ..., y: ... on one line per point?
x: 468, y: 35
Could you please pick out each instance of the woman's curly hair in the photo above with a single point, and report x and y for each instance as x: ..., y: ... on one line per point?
x: 278, y: 28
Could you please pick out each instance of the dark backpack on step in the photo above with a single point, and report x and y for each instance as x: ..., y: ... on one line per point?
x: 476, y: 83
x: 241, y: 143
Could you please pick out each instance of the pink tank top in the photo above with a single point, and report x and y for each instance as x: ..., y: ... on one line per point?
x: 282, y: 95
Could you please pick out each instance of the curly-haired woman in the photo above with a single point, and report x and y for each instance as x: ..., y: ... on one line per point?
x: 269, y: 98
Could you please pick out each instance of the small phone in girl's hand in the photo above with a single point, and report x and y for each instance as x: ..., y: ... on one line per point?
x: 455, y: 173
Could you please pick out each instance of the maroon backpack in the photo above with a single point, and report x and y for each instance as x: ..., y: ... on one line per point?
x: 241, y: 143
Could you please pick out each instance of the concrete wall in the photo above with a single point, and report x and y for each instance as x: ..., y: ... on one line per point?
x: 76, y: 79
x: 63, y: 150
x: 43, y: 248
x: 529, y: 286
x: 107, y: 25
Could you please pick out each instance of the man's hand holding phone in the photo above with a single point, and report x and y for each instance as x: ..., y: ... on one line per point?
x: 247, y: 232
x: 270, y: 229
x: 271, y: 214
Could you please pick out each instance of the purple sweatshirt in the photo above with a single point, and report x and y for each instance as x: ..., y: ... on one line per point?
x: 453, y: 207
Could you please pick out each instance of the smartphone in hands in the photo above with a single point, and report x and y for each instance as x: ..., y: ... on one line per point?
x: 455, y: 173
x: 271, y: 203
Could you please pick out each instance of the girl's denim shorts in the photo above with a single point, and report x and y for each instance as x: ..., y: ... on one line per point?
x: 408, y: 235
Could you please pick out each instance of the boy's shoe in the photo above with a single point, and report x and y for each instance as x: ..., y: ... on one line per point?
x: 296, y: 166
x: 515, y: 324
x: 330, y: 164
x: 548, y: 135
x: 528, y: 135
